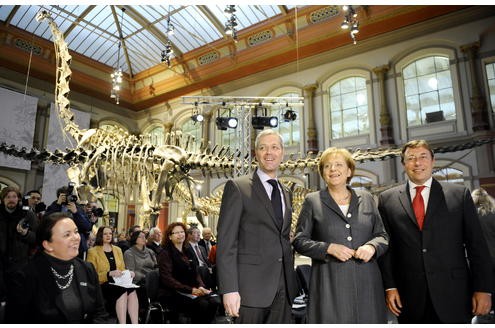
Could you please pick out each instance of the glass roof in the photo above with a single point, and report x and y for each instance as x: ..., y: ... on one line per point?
x: 93, y: 31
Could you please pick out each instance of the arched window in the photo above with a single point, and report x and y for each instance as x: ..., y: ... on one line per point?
x: 361, y: 182
x: 448, y: 174
x: 349, y: 107
x: 490, y: 74
x: 110, y: 125
x: 428, y: 88
x: 112, y: 206
x: 193, y: 128
x: 155, y: 135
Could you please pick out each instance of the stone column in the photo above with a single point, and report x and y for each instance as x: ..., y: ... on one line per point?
x: 168, y: 127
x: 477, y: 99
x: 309, y: 111
x: 386, y: 128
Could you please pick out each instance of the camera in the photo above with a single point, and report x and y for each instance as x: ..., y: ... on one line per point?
x: 24, y: 223
x: 40, y: 207
x: 97, y: 211
x: 25, y: 203
x: 71, y: 195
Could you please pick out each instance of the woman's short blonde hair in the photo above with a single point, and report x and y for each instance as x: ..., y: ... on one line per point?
x: 332, y: 151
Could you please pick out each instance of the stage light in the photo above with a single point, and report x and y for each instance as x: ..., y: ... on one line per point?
x: 259, y: 122
x: 290, y: 115
x: 226, y: 122
x: 198, y: 118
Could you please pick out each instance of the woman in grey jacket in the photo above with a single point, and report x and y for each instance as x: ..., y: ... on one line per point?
x: 139, y: 258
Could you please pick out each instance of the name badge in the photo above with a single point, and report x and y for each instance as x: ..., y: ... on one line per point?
x: 85, y: 284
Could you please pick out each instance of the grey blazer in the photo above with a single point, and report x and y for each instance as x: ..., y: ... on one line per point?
x: 251, y: 250
x: 342, y: 292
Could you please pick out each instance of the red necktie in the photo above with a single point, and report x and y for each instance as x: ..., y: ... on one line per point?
x: 418, y: 205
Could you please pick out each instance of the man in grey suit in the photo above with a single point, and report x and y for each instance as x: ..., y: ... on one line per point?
x: 433, y: 226
x: 254, y: 256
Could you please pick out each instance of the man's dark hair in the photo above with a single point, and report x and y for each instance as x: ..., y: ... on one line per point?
x: 62, y: 190
x: 8, y: 189
x: 33, y: 192
x: 134, y: 227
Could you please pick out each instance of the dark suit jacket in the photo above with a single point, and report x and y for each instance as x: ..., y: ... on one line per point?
x: 202, y: 242
x: 251, y: 250
x: 39, y: 300
x: 434, y: 260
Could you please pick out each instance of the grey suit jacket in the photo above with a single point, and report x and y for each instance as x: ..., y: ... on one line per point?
x: 251, y: 250
x: 434, y: 260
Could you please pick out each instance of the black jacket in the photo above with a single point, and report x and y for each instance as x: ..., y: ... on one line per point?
x: 38, y: 299
x: 14, y: 248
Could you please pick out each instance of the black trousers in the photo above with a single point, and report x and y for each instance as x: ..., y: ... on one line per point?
x: 279, y: 312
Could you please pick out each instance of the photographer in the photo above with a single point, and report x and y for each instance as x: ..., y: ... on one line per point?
x: 67, y: 203
x: 17, y: 234
x: 34, y: 201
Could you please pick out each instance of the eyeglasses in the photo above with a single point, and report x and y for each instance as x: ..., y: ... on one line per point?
x: 178, y: 232
x: 420, y: 158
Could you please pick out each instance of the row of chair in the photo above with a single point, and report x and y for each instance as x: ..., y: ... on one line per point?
x: 152, y: 283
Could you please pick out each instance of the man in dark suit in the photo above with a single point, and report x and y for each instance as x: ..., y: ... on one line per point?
x: 154, y: 240
x: 254, y: 256
x: 433, y: 227
x: 207, y: 240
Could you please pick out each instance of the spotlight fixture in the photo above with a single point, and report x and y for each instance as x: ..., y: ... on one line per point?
x: 167, y: 53
x: 226, y: 122
x: 196, y: 116
x: 170, y: 27
x: 290, y: 115
x: 223, y: 123
x: 116, y: 75
x: 259, y: 122
x: 350, y: 21
x: 230, y: 25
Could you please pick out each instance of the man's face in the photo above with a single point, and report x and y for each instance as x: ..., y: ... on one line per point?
x: 11, y: 200
x: 195, y: 236
x: 89, y: 207
x: 157, y: 235
x: 269, y: 154
x: 35, y: 198
x: 418, y: 164
x: 206, y: 234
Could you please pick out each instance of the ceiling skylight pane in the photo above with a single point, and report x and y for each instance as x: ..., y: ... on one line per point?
x: 5, y: 12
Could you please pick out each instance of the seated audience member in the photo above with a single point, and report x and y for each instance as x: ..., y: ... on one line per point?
x: 485, y: 205
x: 207, y: 241
x: 66, y: 204
x: 139, y: 258
x: 212, y: 257
x: 181, y: 288
x: 201, y: 258
x: 109, y: 263
x: 57, y: 287
x: 154, y: 240
x: 124, y: 243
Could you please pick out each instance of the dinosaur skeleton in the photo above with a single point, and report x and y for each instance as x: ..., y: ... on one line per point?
x: 116, y: 160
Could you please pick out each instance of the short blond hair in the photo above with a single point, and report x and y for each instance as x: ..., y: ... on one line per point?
x: 332, y: 151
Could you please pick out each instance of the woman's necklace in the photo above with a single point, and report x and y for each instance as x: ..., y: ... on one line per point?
x: 341, y: 200
x: 68, y: 276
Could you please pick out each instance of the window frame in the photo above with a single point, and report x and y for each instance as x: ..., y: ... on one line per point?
x: 434, y: 130
x: 366, y: 139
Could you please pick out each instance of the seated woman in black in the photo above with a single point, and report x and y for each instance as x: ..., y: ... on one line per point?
x: 181, y: 288
x: 57, y: 286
